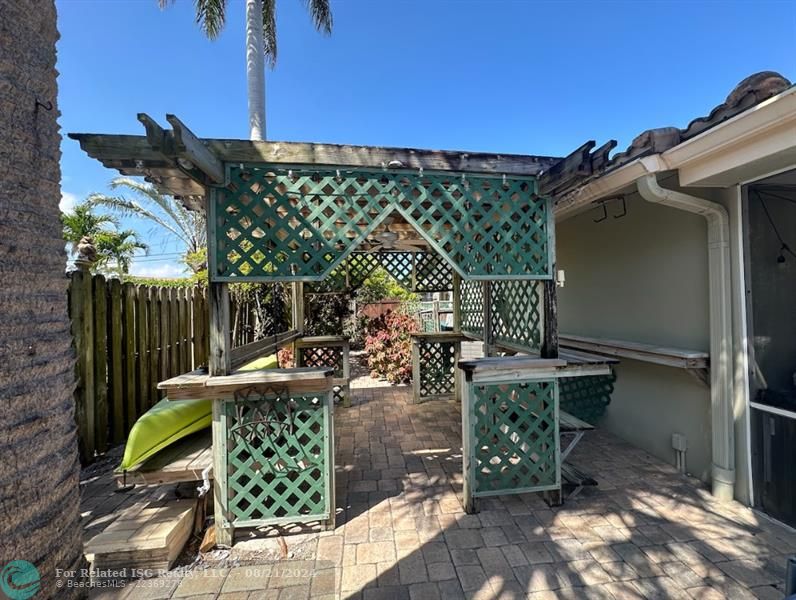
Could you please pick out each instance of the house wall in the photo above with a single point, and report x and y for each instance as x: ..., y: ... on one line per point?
x: 644, y: 277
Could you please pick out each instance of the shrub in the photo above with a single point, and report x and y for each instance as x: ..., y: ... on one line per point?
x: 389, y: 347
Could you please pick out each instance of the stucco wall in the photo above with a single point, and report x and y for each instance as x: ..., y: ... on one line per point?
x: 643, y: 277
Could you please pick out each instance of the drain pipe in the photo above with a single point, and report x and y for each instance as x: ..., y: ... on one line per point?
x: 722, y: 414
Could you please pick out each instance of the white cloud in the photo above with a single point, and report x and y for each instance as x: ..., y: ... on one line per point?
x: 68, y: 201
x: 158, y: 271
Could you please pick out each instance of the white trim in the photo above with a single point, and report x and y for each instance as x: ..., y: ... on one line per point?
x: 773, y: 173
x: 773, y: 410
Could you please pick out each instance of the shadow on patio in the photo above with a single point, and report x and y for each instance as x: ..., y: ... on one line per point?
x: 645, y: 532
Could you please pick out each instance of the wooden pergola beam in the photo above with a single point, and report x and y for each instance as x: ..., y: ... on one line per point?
x: 160, y: 150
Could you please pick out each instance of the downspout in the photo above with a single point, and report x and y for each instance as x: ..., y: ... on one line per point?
x: 722, y: 414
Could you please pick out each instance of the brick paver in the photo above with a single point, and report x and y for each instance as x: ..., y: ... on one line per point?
x: 645, y: 532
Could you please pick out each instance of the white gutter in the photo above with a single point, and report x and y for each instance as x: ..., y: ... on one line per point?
x: 721, y: 398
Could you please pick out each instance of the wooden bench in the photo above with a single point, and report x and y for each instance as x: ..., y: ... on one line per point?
x: 573, y: 480
x: 570, y: 425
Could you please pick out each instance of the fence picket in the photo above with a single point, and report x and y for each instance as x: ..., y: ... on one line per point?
x: 116, y: 363
x: 100, y: 424
x: 128, y: 338
x: 130, y: 396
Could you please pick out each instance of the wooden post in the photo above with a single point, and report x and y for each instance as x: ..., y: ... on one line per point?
x: 415, y: 370
x: 297, y: 306
x: 488, y: 338
x: 346, y: 349
x: 116, y: 362
x: 435, y: 315
x: 220, y: 342
x: 550, y: 308
x: 101, y: 362
x: 457, y: 302
x: 468, y: 452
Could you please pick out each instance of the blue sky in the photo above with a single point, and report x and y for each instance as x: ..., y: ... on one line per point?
x: 501, y: 76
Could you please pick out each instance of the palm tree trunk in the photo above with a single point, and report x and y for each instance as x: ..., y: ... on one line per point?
x: 255, y: 68
x: 39, y: 469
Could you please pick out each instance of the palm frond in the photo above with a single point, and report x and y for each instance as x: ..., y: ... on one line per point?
x: 126, y: 207
x: 211, y: 16
x: 269, y: 32
x: 321, y: 14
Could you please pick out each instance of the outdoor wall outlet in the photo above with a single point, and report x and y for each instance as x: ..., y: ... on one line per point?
x: 561, y: 278
x: 679, y: 442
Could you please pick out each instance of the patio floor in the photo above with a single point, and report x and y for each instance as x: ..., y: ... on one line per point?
x: 645, y: 532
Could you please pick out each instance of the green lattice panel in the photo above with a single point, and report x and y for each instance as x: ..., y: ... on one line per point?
x: 398, y: 264
x: 437, y: 368
x: 276, y: 459
x: 515, y: 433
x: 322, y: 356
x: 274, y: 223
x: 472, y: 307
x: 516, y: 313
x: 586, y: 397
x: 335, y: 282
x: 432, y: 273
x: 360, y: 265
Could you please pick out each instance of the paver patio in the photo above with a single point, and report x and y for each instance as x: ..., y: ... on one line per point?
x: 645, y: 532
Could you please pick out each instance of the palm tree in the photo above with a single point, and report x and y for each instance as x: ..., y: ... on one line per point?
x: 118, y: 248
x: 163, y: 211
x: 260, y: 43
x: 84, y: 222
x: 39, y: 467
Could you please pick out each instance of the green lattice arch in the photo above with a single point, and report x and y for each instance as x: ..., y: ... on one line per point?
x: 515, y: 437
x: 280, y: 224
x: 276, y: 459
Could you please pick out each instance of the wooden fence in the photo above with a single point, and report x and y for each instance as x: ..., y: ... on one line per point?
x: 129, y: 337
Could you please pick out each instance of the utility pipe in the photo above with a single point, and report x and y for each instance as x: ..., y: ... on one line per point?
x: 722, y: 414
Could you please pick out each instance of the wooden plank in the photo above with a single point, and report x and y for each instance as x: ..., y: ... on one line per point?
x: 243, y: 354
x: 101, y: 362
x: 154, y: 343
x: 667, y: 356
x: 131, y: 403
x: 328, y: 340
x: 174, y: 334
x: 116, y: 363
x: 184, y: 460
x: 529, y: 363
x: 219, y: 361
x: 575, y: 357
x: 142, y: 329
x: 568, y: 423
x: 189, y: 147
